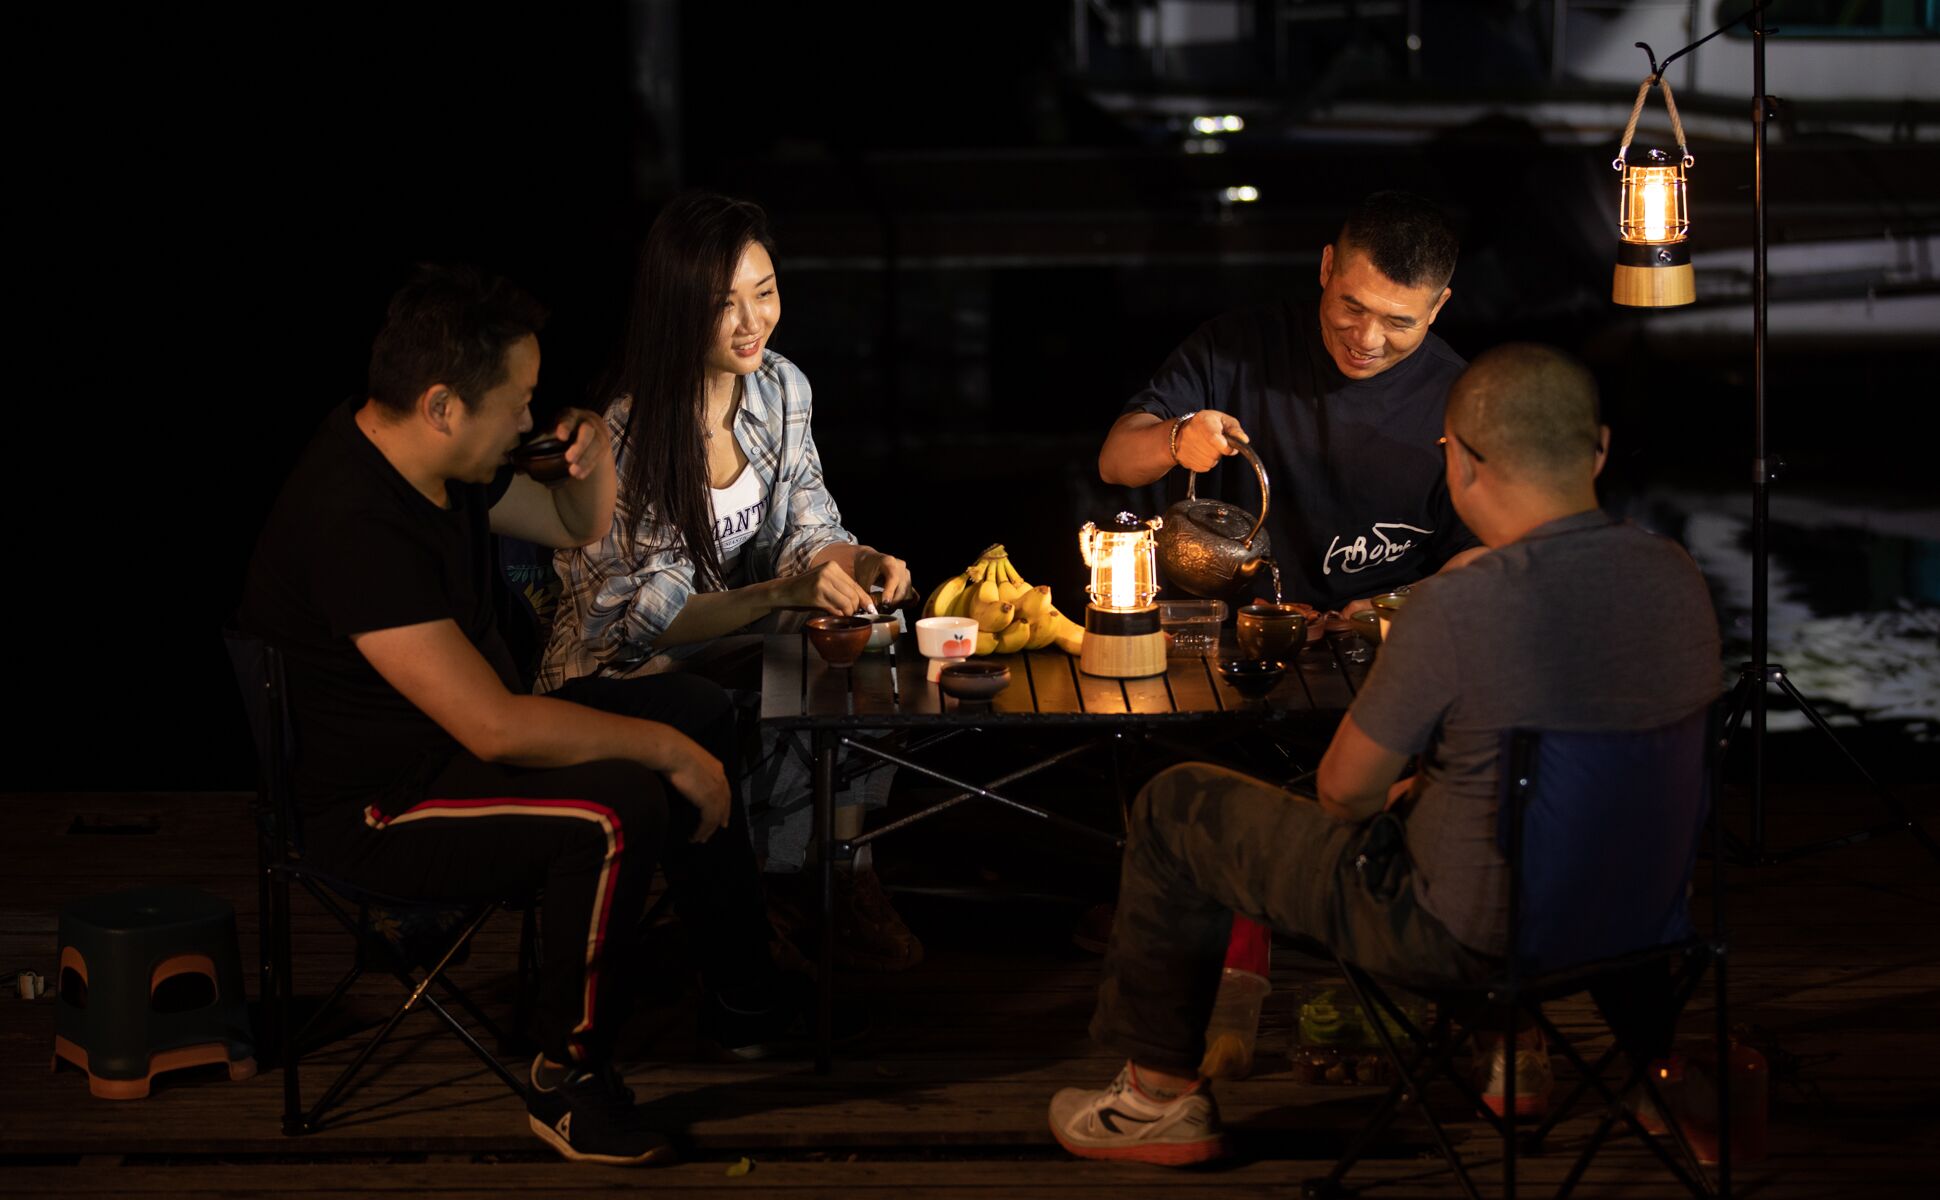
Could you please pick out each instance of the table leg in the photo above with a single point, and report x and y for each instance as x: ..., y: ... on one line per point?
x: 825, y: 848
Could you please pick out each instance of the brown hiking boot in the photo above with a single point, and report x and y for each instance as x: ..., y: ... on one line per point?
x: 869, y: 933
x: 1092, y: 933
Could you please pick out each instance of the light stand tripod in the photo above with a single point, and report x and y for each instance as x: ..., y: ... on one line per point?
x: 1757, y: 677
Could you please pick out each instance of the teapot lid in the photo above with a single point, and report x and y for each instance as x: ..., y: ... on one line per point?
x: 1217, y: 517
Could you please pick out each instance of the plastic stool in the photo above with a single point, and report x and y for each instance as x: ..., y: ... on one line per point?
x: 150, y: 981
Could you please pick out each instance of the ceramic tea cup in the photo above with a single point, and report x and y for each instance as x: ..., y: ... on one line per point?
x: 839, y: 640
x: 1270, y: 631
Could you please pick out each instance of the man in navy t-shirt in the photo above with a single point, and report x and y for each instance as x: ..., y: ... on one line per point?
x: 1341, y: 399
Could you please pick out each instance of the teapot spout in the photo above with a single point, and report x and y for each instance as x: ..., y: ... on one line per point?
x: 1249, y: 568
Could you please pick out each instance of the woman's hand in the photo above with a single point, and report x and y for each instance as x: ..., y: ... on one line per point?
x: 873, y: 567
x: 585, y: 436
x: 828, y: 587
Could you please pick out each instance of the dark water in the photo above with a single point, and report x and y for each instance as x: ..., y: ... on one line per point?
x: 1853, y: 603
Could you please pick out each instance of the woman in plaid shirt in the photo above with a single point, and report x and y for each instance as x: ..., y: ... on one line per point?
x: 723, y: 518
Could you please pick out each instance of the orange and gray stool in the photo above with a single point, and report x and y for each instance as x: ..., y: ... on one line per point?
x: 150, y: 981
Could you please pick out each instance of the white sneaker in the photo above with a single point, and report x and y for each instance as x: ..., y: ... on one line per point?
x: 1121, y: 1122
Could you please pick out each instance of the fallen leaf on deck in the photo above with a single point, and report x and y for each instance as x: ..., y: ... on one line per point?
x: 740, y: 1166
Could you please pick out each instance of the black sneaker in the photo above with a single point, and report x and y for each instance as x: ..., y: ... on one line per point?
x: 590, y: 1117
x: 785, y: 1027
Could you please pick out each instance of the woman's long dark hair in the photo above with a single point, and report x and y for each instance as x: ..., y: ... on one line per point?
x: 686, y: 268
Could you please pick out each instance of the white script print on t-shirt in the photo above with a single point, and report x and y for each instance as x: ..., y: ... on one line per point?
x: 1357, y: 556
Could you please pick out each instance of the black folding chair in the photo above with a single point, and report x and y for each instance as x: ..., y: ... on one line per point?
x: 1601, y: 834
x: 259, y: 673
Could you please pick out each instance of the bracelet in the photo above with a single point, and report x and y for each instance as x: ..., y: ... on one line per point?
x: 1172, y: 443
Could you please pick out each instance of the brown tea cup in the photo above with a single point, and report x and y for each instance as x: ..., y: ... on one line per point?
x: 543, y: 459
x: 1270, y: 631
x: 839, y: 640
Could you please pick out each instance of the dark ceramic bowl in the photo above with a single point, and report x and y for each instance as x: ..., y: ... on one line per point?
x: 839, y: 640
x: 1252, y: 678
x: 973, y: 680
x: 542, y: 458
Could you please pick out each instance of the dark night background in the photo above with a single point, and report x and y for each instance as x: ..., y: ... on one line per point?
x: 980, y: 264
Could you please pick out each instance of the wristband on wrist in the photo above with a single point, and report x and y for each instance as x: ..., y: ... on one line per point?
x: 1172, y: 443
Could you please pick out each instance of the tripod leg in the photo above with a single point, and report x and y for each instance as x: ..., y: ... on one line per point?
x: 1903, y: 818
x: 1734, y: 711
x: 1739, y: 851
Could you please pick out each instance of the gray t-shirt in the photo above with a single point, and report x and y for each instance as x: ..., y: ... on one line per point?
x: 1583, y: 624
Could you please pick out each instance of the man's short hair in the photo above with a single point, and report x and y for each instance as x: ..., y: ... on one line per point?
x: 1407, y: 238
x: 449, y: 325
x: 1533, y: 409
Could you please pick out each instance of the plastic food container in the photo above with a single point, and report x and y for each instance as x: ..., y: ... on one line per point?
x: 1191, y: 627
x: 1333, y: 1043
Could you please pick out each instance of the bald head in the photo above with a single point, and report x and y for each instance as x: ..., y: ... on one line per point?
x: 1531, y: 411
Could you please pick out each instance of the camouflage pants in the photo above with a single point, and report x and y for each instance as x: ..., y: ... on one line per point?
x: 1205, y: 843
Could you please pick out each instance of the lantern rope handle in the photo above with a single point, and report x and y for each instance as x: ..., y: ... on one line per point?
x: 1637, y: 110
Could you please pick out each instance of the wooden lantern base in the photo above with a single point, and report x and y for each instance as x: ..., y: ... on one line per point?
x: 1123, y: 643
x: 1654, y: 276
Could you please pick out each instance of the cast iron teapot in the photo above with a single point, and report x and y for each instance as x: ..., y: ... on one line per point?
x: 1211, y: 548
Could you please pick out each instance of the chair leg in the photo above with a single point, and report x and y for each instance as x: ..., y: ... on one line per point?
x: 292, y: 1049
x: 1407, y: 1076
x: 1569, y: 1103
x: 266, y: 962
x: 417, y: 994
x: 1616, y: 1110
x: 485, y: 1056
x: 337, y: 993
x: 1509, y: 1048
x: 528, y: 973
x: 1724, y: 1072
x: 1364, y: 988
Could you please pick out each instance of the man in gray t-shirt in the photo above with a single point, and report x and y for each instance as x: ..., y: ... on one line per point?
x: 1583, y: 623
x: 1572, y: 621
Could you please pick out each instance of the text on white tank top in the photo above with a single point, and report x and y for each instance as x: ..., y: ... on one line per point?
x: 738, y: 509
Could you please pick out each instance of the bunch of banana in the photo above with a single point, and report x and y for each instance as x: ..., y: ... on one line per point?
x: 1011, y: 615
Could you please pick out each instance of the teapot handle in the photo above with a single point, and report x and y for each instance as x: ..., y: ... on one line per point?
x: 1266, y: 492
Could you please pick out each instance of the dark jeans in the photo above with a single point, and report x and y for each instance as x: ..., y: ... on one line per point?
x: 1205, y: 843
x: 590, y: 836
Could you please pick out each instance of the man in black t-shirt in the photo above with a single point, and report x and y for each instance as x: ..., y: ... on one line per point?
x: 1341, y: 399
x: 423, y: 769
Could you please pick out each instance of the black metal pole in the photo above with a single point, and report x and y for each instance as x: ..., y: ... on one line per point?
x: 1760, y: 473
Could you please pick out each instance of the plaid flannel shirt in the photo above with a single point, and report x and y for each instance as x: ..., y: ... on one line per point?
x: 620, y: 593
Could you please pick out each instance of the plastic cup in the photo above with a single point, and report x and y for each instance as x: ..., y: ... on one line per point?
x: 1233, y: 1031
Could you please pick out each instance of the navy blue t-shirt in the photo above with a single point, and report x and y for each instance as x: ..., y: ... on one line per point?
x: 1360, y: 502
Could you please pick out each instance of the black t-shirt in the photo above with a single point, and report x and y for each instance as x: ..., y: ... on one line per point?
x: 1360, y: 502
x: 351, y: 547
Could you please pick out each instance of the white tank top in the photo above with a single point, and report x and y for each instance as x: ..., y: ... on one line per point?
x: 738, y: 509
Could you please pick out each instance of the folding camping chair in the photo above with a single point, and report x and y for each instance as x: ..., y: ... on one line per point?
x: 259, y: 673
x: 1600, y: 831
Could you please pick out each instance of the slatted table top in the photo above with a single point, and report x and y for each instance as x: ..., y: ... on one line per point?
x: 881, y: 691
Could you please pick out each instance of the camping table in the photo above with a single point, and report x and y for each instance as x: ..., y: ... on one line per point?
x: 841, y: 707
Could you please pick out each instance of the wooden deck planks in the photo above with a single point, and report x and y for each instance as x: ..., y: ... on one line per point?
x: 1839, y: 958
